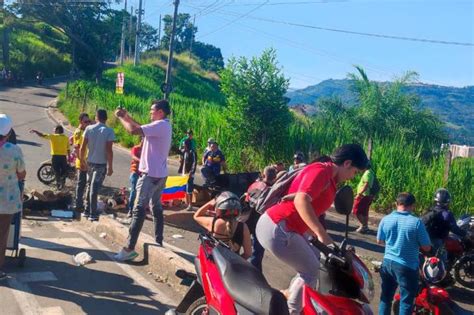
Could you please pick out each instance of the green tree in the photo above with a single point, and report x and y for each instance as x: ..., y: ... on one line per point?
x: 185, y: 32
x: 92, y: 27
x: 210, y: 56
x: 257, y: 114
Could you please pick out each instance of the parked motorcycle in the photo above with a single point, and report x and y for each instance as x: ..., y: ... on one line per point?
x: 227, y: 284
x: 431, y: 299
x: 461, y: 253
x: 46, y: 174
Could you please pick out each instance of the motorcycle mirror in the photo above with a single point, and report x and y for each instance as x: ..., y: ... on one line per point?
x: 344, y: 200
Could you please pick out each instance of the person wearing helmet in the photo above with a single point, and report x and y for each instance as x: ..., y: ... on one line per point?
x: 219, y: 217
x: 298, y: 162
x: 403, y: 235
x: 11, y: 173
x: 284, y: 227
x: 439, y: 221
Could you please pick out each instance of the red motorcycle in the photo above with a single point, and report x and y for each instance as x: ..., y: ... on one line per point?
x: 431, y: 299
x: 461, y: 253
x: 227, y: 284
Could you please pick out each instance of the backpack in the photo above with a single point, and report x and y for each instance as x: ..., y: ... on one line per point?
x: 276, y: 192
x: 375, y: 189
x: 434, y: 223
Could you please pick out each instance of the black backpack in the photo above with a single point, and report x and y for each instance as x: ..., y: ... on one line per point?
x: 434, y: 223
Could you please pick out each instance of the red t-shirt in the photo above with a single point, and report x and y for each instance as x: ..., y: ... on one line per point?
x: 135, y: 151
x: 316, y: 180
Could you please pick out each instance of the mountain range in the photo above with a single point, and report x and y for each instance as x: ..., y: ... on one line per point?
x: 453, y: 105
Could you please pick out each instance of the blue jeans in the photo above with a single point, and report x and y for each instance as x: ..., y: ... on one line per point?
x: 148, y: 188
x: 396, y: 275
x: 133, y: 190
x: 95, y: 177
x: 257, y: 253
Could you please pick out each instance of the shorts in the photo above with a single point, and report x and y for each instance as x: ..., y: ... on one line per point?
x: 190, y: 185
x: 362, y: 204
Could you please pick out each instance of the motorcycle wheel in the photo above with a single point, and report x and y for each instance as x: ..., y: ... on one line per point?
x: 464, y: 271
x: 443, y: 307
x: 199, y: 307
x: 46, y: 174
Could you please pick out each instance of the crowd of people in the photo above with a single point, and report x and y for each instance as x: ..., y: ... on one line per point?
x: 283, y: 229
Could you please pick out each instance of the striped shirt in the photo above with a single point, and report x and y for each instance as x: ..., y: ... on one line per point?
x: 403, y: 234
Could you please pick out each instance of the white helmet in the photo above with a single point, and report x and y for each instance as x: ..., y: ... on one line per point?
x: 434, y: 270
x: 5, y: 125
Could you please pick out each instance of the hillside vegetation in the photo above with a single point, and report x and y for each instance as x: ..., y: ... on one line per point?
x: 455, y: 106
x: 37, y: 47
x: 402, y: 162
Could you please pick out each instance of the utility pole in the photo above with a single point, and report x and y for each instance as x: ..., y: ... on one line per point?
x: 192, y: 37
x: 137, y: 38
x: 167, y: 85
x: 122, y: 40
x: 159, y: 32
x: 130, y: 32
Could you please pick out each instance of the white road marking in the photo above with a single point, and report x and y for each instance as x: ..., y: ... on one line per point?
x: 26, y: 301
x: 158, y: 295
x: 25, y: 277
x: 55, y: 310
x: 55, y: 243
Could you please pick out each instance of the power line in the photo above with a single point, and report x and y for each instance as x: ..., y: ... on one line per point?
x: 236, y: 19
x: 289, y: 3
x: 424, y: 40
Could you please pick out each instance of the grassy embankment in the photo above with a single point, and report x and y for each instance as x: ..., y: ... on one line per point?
x: 197, y: 103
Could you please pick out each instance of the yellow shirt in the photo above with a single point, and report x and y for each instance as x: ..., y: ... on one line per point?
x: 77, y: 140
x: 59, y: 144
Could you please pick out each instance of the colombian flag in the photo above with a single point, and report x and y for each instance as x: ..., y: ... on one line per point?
x: 175, y: 188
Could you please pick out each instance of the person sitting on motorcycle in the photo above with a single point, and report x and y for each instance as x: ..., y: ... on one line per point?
x: 219, y: 217
x: 439, y: 221
x: 284, y: 228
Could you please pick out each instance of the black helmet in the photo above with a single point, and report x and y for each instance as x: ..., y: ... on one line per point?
x: 299, y: 156
x: 442, y: 196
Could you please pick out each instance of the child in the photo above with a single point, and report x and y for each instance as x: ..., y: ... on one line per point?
x: 219, y: 217
x: 59, y: 152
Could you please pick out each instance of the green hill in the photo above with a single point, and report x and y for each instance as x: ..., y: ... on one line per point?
x: 455, y: 106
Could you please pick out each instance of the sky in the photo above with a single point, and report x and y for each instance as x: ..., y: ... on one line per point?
x: 309, y: 54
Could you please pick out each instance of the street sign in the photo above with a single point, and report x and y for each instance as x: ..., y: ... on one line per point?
x: 119, y: 83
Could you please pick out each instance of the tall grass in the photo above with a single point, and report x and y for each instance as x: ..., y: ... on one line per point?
x: 399, y: 164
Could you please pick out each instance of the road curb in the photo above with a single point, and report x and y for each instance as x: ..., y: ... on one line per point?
x: 161, y: 260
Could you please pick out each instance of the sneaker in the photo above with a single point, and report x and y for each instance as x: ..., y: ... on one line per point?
x: 125, y: 255
x: 3, y: 275
x: 93, y: 218
x: 362, y: 230
x: 189, y: 208
x: 85, y: 215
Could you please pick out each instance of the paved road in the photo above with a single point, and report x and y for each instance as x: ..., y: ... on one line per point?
x: 179, y: 222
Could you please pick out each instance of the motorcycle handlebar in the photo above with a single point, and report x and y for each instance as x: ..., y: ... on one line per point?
x: 333, y: 256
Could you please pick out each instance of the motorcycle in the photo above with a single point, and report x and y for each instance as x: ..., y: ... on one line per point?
x: 461, y: 253
x: 46, y: 174
x: 227, y: 284
x: 431, y: 299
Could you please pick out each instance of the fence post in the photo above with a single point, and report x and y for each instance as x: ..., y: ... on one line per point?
x: 447, y: 166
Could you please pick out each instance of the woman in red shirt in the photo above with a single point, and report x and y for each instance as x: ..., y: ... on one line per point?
x: 284, y: 228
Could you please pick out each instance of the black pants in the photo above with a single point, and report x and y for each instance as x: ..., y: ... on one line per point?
x: 60, y: 166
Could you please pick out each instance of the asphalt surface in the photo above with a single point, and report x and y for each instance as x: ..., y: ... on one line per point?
x: 27, y: 107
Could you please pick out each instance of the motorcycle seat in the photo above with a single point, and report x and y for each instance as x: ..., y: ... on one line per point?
x: 247, y: 285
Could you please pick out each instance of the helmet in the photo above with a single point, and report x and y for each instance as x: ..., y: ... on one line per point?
x: 5, y: 125
x: 442, y: 196
x: 229, y: 204
x: 434, y: 270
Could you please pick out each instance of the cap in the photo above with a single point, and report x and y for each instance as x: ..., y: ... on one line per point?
x: 211, y: 140
x: 5, y: 125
